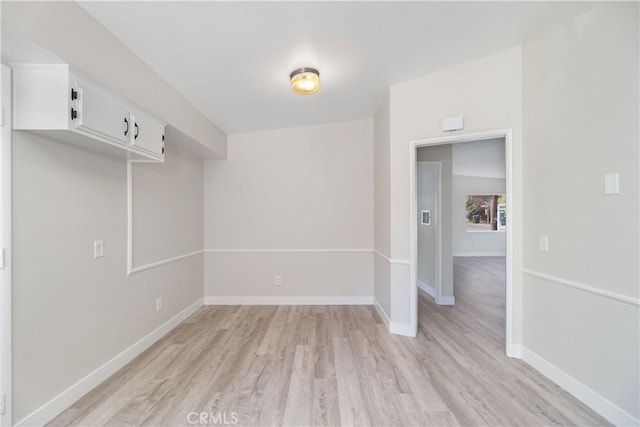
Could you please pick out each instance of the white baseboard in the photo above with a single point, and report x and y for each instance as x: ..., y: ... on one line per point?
x: 284, y: 300
x: 404, y: 329
x: 429, y: 290
x: 381, y: 312
x: 446, y: 300
x: 580, y: 391
x: 55, y: 406
x: 466, y: 254
x: 514, y: 351
x: 394, y: 327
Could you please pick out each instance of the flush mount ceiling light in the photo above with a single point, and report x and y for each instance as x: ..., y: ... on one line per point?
x: 305, y: 81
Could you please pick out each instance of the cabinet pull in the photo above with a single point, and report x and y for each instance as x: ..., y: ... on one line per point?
x: 126, y: 122
x: 74, y: 114
x: 74, y: 94
x: 137, y: 131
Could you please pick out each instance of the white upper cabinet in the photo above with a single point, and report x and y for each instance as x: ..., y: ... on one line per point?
x: 97, y: 112
x: 52, y: 100
x: 147, y: 135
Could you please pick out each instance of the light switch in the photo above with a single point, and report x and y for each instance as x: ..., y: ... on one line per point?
x: 98, y: 248
x: 426, y: 218
x: 544, y: 243
x: 611, y: 183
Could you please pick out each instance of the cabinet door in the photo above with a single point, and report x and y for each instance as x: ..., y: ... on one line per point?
x: 147, y: 134
x: 100, y: 113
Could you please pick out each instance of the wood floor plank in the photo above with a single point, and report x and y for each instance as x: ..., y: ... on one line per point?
x: 298, y: 409
x: 337, y: 365
x: 326, y: 408
x: 352, y: 405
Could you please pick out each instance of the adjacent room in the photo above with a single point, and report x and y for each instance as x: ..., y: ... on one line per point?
x: 320, y: 213
x: 462, y: 227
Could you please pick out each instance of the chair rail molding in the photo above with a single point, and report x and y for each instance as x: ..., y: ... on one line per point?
x: 583, y: 287
x: 343, y: 250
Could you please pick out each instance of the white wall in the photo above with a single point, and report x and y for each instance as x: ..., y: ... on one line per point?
x: 160, y: 228
x: 300, y: 189
x: 580, y: 122
x: 73, y: 313
x: 382, y: 207
x: 487, y: 92
x: 466, y: 243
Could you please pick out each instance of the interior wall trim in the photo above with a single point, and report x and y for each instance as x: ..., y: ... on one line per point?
x: 383, y: 314
x: 289, y: 300
x: 479, y: 254
x: 391, y: 260
x: 163, y: 262
x: 6, y: 253
x: 583, y: 287
x: 586, y: 395
x: 397, y: 328
x: 345, y: 250
x: 427, y: 289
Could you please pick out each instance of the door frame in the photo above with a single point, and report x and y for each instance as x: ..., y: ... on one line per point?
x: 438, y: 227
x: 5, y: 251
x: 510, y: 347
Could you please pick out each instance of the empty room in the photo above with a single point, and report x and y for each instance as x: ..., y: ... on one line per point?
x: 320, y: 213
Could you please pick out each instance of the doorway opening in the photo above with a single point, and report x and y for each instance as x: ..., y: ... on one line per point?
x: 468, y: 242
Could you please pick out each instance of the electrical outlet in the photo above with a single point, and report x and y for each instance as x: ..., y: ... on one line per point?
x: 98, y: 248
x: 278, y: 280
x: 612, y: 183
x: 158, y: 304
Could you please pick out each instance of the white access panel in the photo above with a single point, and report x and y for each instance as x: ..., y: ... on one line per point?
x: 450, y: 124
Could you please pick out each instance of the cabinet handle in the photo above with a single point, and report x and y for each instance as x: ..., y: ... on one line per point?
x: 74, y: 94
x: 137, y: 131
x: 126, y: 122
x: 74, y: 114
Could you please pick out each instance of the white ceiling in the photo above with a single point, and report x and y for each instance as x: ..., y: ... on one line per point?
x: 232, y: 59
x: 484, y: 159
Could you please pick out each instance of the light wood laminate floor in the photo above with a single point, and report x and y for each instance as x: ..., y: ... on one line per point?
x: 337, y: 365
